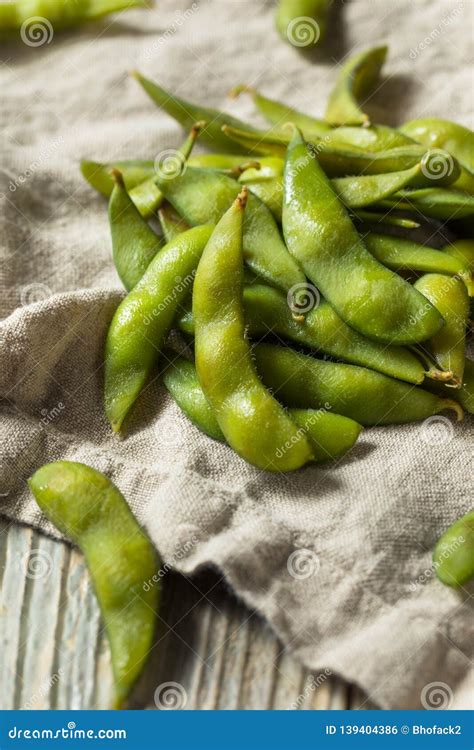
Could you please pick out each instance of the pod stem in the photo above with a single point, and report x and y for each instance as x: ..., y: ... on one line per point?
x: 241, y: 168
x: 117, y: 177
x: 442, y: 376
x: 241, y: 199
x: 447, y: 403
x: 240, y: 89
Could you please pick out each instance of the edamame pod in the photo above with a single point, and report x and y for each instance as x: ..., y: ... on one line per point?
x: 321, y: 236
x: 368, y: 397
x: 254, y: 424
x: 134, y: 243
x: 302, y: 23
x: 401, y: 254
x: 463, y: 251
x: 465, y: 395
x: 354, y: 192
x: 88, y: 509
x: 330, y: 435
x: 202, y: 196
x: 340, y: 160
x: 436, y: 133
x: 449, y: 295
x: 373, y: 138
x: 20, y: 14
x: 356, y: 79
x: 187, y: 113
x: 143, y: 318
x: 268, y: 311
x: 453, y: 556
x: 99, y: 175
x: 437, y: 203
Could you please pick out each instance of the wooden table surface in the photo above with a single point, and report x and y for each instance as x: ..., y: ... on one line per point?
x: 215, y: 652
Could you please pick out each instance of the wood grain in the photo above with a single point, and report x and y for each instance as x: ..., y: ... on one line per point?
x: 216, y: 653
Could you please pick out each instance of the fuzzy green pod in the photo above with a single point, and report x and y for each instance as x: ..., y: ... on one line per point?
x: 453, y: 556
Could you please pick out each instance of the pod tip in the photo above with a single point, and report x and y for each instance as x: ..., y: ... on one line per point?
x: 242, y: 197
x: 240, y: 89
x: 447, y: 403
x: 117, y: 177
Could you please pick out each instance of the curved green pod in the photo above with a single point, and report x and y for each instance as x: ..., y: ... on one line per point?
x: 373, y: 138
x: 463, y: 251
x: 254, y: 424
x: 437, y: 133
x: 267, y: 311
x: 354, y: 192
x: 143, y: 318
x: 449, y: 295
x: 134, y: 243
x: 302, y: 23
x: 330, y: 435
x: 356, y: 79
x: 453, y: 556
x: 337, y: 159
x: 320, y: 235
x: 187, y: 113
x: 99, y: 174
x: 366, y: 396
x: 437, y: 203
x: 465, y: 395
x: 401, y: 254
x: 38, y: 20
x: 90, y: 511
x: 202, y: 196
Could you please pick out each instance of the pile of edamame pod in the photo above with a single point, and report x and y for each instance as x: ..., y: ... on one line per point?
x: 287, y: 260
x: 276, y: 258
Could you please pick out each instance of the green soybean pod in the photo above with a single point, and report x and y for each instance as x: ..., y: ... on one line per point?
x: 465, y: 395
x: 401, y: 254
x: 330, y: 435
x: 144, y: 317
x: 319, y: 327
x: 368, y: 397
x: 254, y: 424
x: 187, y: 113
x: 171, y: 223
x: 356, y: 79
x: 438, y: 203
x: 463, y: 251
x: 453, y: 556
x: 134, y: 243
x: 302, y: 23
x: 90, y: 511
x: 373, y: 138
x: 321, y: 236
x: 437, y: 133
x: 39, y: 20
x: 449, y: 295
x: 202, y: 196
x: 99, y: 174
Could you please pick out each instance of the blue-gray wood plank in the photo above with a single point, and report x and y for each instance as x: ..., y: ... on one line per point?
x: 220, y: 655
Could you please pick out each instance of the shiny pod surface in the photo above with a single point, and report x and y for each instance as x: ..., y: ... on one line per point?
x: 143, y: 318
x: 91, y: 512
x: 321, y: 236
x: 368, y: 397
x: 254, y: 424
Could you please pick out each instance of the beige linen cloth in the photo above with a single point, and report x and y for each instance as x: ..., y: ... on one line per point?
x: 337, y: 558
